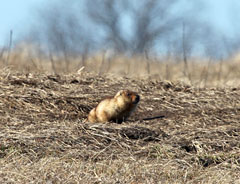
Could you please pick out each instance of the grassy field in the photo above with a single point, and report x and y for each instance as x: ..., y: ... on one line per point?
x: 43, y: 137
x: 193, y: 136
x: 198, y: 72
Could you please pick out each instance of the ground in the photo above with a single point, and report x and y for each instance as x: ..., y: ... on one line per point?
x: 192, y: 134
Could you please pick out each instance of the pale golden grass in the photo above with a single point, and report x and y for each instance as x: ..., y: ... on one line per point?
x: 43, y: 137
x: 60, y: 170
x: 199, y: 72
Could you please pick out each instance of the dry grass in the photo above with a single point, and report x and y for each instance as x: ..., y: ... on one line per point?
x: 199, y: 72
x: 43, y: 138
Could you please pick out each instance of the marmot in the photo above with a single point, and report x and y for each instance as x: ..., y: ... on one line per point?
x: 117, y: 108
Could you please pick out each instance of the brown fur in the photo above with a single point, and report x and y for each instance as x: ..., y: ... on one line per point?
x: 117, y: 108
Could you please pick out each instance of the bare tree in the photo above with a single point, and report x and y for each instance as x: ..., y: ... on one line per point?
x: 64, y: 32
x: 125, y: 26
x: 61, y: 31
x: 150, y: 21
x: 107, y: 15
x: 153, y: 22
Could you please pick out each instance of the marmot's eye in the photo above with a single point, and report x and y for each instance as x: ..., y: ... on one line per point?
x: 128, y: 94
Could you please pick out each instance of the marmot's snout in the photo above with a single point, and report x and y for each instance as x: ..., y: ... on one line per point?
x: 137, y: 99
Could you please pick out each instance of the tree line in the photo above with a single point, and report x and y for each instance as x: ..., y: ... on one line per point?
x: 130, y: 27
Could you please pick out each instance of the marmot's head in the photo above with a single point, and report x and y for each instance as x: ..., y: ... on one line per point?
x: 129, y: 97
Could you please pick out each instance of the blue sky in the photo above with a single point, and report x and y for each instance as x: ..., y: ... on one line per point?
x: 223, y: 14
x: 17, y: 15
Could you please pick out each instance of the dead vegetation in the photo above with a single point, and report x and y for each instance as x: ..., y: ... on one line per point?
x: 198, y: 72
x: 195, y: 137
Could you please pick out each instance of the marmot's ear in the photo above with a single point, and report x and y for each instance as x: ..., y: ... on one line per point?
x: 119, y: 93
